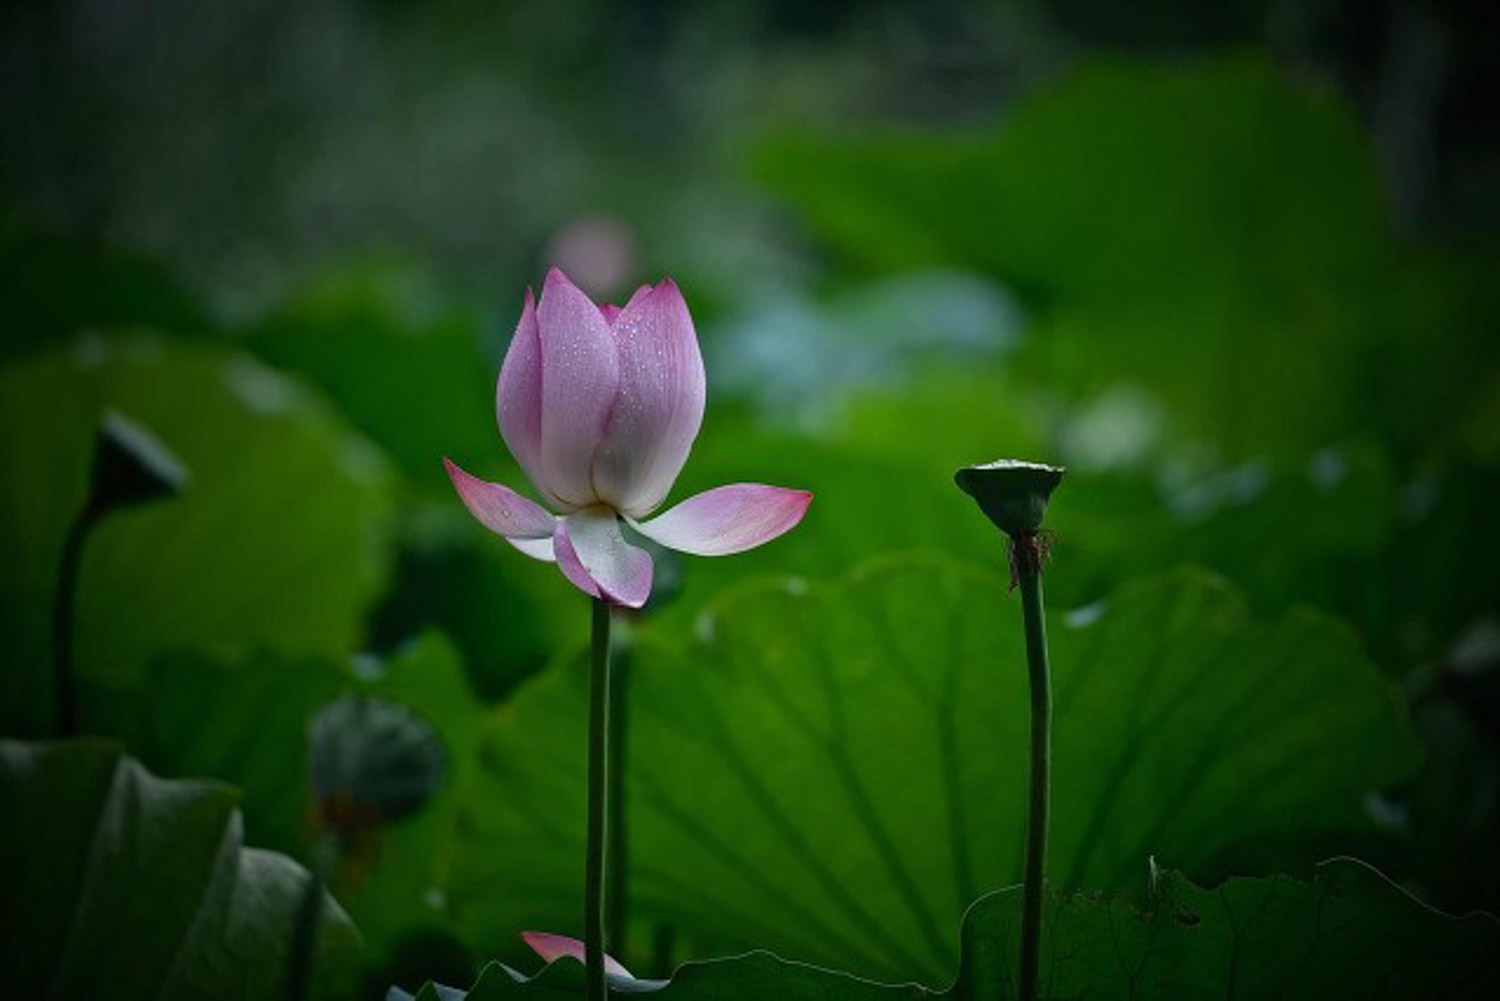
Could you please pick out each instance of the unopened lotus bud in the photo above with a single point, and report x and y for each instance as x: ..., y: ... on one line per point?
x: 372, y: 762
x: 131, y: 467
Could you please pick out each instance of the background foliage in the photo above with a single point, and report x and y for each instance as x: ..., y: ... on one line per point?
x: 1233, y: 265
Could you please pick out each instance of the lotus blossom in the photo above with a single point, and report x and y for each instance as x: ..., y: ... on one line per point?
x: 600, y: 406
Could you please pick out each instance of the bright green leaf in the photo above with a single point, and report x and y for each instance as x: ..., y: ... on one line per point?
x: 835, y: 771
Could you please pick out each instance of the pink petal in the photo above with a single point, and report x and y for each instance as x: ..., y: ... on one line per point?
x: 537, y: 549
x: 641, y: 293
x: 580, y: 382
x: 569, y: 563
x: 728, y: 519
x: 610, y: 311
x: 499, y: 508
x: 554, y: 947
x: 660, y: 404
x: 518, y: 396
x: 593, y: 554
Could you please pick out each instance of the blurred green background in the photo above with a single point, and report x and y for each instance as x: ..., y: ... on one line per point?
x: 1233, y: 263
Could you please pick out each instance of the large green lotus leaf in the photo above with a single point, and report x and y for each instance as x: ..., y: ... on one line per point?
x: 120, y: 884
x: 244, y: 720
x: 835, y: 771
x: 1209, y: 231
x: 1349, y: 933
x: 279, y: 540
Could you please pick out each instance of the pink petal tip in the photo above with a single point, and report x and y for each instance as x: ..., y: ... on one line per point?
x: 499, y: 508
x: 554, y: 947
x: 729, y: 519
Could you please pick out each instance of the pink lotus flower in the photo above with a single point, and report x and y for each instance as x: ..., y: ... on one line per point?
x: 600, y: 405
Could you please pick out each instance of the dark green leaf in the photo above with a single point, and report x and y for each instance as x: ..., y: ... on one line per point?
x: 1350, y: 933
x: 245, y: 720
x: 54, y: 286
x: 123, y: 885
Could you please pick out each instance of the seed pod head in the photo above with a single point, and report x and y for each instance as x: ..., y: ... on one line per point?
x: 1011, y: 493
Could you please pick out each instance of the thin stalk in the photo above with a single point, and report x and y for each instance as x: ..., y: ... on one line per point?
x: 1028, y: 567
x: 616, y: 868
x: 64, y: 601
x: 593, y: 889
x: 304, y: 945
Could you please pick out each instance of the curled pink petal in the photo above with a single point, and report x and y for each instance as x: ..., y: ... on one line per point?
x: 518, y: 396
x: 620, y: 571
x: 554, y: 947
x: 660, y: 404
x: 580, y: 380
x: 499, y: 508
x: 569, y: 563
x: 728, y: 519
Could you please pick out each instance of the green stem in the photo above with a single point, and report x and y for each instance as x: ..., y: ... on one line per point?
x: 304, y: 946
x: 616, y: 868
x: 593, y: 889
x: 1028, y: 565
x: 64, y: 601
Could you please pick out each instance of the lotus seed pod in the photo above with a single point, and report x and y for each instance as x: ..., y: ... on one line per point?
x: 1011, y: 493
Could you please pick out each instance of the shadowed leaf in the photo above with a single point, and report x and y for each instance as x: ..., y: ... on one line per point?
x: 139, y: 887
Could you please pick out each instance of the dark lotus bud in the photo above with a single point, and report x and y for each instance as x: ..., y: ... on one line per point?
x: 131, y: 467
x: 1011, y: 493
x: 372, y: 762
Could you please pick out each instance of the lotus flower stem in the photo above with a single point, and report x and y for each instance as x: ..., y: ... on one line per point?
x: 1027, y: 561
x: 616, y: 869
x: 600, y: 405
x: 593, y: 890
x: 1014, y: 495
